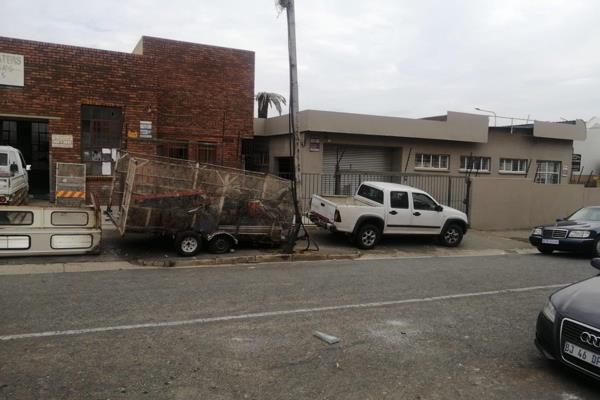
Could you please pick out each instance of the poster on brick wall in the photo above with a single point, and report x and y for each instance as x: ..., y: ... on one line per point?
x: 62, y: 141
x: 12, y: 69
x: 145, y: 129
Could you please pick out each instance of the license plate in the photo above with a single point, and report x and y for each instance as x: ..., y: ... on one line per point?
x: 550, y: 241
x: 582, y: 354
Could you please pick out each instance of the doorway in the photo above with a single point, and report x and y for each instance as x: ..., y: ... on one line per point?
x: 31, y: 137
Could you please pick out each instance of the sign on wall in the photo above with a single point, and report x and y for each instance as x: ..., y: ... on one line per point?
x: 12, y: 69
x: 62, y: 141
x: 146, y: 129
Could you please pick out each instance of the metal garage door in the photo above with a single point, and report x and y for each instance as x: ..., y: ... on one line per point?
x: 359, y: 158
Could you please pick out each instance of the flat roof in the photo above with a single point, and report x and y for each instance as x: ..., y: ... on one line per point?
x: 454, y: 126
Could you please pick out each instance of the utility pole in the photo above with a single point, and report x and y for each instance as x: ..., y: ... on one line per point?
x: 294, y: 101
x: 296, y: 141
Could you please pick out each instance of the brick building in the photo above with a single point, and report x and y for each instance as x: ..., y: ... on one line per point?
x: 63, y: 103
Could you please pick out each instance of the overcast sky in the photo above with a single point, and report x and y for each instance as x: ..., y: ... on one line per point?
x: 387, y: 57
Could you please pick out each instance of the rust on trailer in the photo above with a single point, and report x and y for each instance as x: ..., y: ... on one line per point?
x: 156, y: 194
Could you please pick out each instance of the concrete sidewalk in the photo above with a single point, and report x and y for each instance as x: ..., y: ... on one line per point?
x: 143, y: 252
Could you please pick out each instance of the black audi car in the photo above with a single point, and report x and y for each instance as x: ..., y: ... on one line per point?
x: 579, y: 232
x: 568, y: 328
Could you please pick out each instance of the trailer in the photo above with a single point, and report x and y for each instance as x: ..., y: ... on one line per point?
x: 198, y: 204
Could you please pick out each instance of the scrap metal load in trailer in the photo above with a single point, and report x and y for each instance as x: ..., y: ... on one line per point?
x: 199, y: 204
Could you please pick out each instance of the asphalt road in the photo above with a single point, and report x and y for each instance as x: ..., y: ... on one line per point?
x: 430, y: 328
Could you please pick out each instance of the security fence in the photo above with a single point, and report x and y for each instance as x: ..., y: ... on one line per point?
x: 446, y: 189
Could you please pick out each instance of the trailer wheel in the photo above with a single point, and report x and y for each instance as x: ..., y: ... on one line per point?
x: 220, y: 244
x: 188, y: 244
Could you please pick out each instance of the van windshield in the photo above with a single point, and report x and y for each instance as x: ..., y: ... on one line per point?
x: 3, y: 159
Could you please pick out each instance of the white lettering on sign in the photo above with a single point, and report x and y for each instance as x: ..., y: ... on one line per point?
x: 12, y: 69
x: 62, y: 141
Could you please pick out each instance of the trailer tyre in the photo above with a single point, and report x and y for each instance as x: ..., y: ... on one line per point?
x: 220, y: 244
x: 188, y: 243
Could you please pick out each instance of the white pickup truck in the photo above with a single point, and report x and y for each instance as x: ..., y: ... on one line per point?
x: 14, y: 179
x: 380, y: 208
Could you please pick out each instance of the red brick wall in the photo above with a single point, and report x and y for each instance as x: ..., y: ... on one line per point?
x: 188, y: 91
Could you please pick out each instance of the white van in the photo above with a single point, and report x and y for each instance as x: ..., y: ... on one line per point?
x: 30, y: 231
x: 14, y: 180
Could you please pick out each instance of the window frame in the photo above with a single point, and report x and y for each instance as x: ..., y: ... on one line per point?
x: 422, y: 164
x: 98, y: 133
x: 369, y: 198
x: 520, y: 161
x: 392, y: 200
x: 541, y: 177
x: 29, y: 213
x: 480, y: 159
x: 426, y: 196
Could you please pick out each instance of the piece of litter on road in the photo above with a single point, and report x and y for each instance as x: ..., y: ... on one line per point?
x: 330, y: 339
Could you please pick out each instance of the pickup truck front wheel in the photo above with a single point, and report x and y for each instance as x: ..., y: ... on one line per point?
x: 367, y: 236
x: 452, y: 235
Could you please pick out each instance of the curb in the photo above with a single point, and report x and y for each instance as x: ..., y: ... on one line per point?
x: 261, y: 258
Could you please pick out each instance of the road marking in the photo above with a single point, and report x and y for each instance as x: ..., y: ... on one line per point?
x: 274, y: 313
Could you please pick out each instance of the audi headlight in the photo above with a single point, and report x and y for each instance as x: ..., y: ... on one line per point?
x: 537, y: 232
x: 549, y: 311
x: 579, y: 234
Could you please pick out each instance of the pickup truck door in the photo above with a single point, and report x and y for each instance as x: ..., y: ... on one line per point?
x: 425, y: 218
x: 399, y: 215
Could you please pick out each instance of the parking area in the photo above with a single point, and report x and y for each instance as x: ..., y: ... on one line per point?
x: 433, y: 328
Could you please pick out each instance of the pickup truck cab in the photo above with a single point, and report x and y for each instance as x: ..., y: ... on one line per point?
x: 14, y: 179
x: 381, y: 208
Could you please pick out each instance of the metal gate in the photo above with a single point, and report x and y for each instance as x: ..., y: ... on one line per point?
x: 453, y: 191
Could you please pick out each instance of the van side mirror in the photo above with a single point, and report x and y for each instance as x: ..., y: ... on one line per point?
x: 439, y: 208
x: 595, y: 263
x: 28, y: 167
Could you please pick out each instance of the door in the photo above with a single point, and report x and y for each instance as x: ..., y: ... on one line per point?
x: 399, y: 214
x: 425, y: 218
x: 357, y: 158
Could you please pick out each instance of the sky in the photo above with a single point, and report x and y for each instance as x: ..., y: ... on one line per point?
x: 536, y: 59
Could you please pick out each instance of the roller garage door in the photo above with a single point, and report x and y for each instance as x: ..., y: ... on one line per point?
x: 357, y: 158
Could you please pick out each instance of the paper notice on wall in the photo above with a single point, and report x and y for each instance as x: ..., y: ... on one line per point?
x: 62, y: 141
x: 114, y: 154
x: 106, y: 168
x: 105, y: 151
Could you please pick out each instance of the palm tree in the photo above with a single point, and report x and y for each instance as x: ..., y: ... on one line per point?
x: 266, y: 100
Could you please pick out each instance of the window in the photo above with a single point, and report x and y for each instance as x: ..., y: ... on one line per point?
x: 173, y: 150
x: 548, y: 172
x: 207, y: 154
x: 576, y: 163
x: 423, y: 202
x: 371, y: 193
x: 399, y: 200
x: 8, y: 133
x: 431, y: 161
x: 60, y: 218
x: 3, y: 159
x: 39, y: 146
x: 475, y: 163
x: 513, y: 166
x: 100, y: 134
x: 16, y: 218
x: 14, y: 242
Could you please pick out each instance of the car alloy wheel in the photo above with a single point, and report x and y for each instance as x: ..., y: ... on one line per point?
x: 452, y: 235
x: 368, y: 237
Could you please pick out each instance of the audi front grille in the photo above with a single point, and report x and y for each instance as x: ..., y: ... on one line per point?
x: 571, y: 332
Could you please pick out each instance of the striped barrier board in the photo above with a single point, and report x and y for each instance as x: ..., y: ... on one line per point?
x: 70, y: 194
